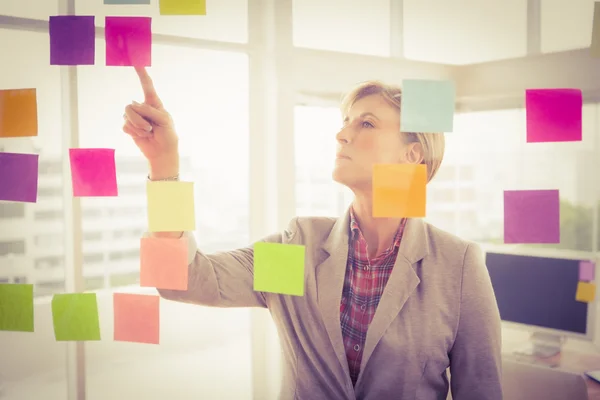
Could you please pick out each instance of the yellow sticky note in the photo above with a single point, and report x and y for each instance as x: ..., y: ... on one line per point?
x: 171, y: 206
x: 595, y: 46
x: 399, y: 190
x: 586, y: 292
x: 18, y: 113
x: 182, y: 7
x: 279, y: 268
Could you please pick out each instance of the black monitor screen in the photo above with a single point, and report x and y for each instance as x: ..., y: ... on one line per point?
x: 538, y: 291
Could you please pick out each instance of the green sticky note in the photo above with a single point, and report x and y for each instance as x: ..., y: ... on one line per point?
x: 427, y: 106
x: 75, y: 317
x: 16, y: 307
x: 182, y: 7
x: 279, y: 268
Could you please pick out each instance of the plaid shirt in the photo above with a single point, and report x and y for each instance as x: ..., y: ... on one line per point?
x: 363, y: 286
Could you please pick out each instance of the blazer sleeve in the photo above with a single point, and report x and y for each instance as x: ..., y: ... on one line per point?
x: 475, y: 358
x: 223, y: 279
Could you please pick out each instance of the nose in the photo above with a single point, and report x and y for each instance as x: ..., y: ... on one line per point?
x: 343, y: 136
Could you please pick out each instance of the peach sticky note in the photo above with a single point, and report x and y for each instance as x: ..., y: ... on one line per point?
x: 279, y: 268
x: 553, y: 115
x: 128, y: 41
x: 136, y: 318
x: 399, y: 190
x: 170, y: 206
x: 164, y: 263
x: 16, y: 307
x: 586, y: 292
x: 182, y: 7
x: 18, y: 113
x: 595, y: 46
x: 75, y: 317
x: 93, y: 172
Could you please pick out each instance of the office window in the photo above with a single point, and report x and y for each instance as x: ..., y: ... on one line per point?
x: 206, y: 93
x: 48, y: 240
x: 317, y: 194
x: 224, y: 20
x: 566, y: 27
x: 92, y: 236
x: 464, y: 31
x: 93, y: 258
x: 12, y: 247
x: 347, y: 26
x: 25, y: 64
x: 49, y: 191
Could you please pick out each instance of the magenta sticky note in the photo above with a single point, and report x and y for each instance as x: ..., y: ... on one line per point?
x: 586, y: 271
x: 19, y: 177
x: 553, y: 115
x: 93, y: 172
x: 531, y: 216
x: 72, y: 40
x: 128, y: 41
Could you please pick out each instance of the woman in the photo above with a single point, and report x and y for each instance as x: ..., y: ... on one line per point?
x: 424, y: 295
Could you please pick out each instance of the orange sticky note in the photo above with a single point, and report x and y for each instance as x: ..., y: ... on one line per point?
x: 137, y: 318
x: 586, y: 292
x: 164, y: 263
x: 18, y: 113
x: 399, y: 190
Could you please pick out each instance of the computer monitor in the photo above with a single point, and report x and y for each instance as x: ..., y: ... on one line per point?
x: 538, y: 293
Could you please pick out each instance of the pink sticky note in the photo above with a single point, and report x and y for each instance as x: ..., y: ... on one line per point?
x: 586, y: 271
x: 93, y: 172
x: 531, y: 216
x: 136, y: 318
x: 128, y: 41
x: 554, y: 115
x: 164, y: 263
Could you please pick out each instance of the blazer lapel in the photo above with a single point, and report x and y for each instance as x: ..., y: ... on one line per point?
x: 401, y: 284
x: 330, y: 281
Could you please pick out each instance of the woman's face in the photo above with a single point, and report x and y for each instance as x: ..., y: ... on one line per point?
x: 370, y: 135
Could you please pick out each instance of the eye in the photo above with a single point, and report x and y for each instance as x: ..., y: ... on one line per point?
x: 367, y: 124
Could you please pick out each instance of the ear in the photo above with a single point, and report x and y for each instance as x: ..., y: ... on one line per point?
x: 414, y: 153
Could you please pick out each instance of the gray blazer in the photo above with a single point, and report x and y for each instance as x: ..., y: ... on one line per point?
x: 438, y: 310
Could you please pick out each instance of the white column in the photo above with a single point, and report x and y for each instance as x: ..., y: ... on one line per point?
x: 397, y: 28
x: 534, y: 27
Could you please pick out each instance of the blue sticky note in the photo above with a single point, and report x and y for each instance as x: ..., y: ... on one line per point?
x: 586, y: 271
x: 126, y: 1
x: 427, y: 106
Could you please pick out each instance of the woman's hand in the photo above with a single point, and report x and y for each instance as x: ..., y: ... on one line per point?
x: 152, y: 130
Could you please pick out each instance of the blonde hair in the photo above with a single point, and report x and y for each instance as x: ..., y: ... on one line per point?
x: 433, y: 143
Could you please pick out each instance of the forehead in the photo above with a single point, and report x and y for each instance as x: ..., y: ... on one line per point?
x: 376, y: 105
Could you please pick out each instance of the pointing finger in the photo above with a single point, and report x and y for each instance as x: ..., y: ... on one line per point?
x: 150, y: 95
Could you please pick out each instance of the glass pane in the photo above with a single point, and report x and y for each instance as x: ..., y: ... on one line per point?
x: 316, y: 192
x: 225, y: 20
x: 491, y: 154
x: 349, y: 26
x: 29, y: 8
x: 32, y: 365
x: 207, y: 94
x: 464, y: 31
x: 566, y: 27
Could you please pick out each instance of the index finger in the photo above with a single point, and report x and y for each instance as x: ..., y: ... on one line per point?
x: 150, y: 95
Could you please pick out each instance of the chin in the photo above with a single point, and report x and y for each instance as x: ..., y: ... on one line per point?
x: 343, y: 176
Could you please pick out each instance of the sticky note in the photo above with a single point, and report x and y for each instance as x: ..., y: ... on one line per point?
x: 16, y: 307
x: 72, y: 40
x: 595, y: 45
x: 279, y: 268
x: 553, y: 115
x: 136, y: 318
x: 182, y: 7
x: 18, y: 113
x: 586, y: 270
x: 75, y: 317
x: 19, y: 177
x: 427, y: 106
x: 531, y: 216
x: 586, y: 292
x: 171, y: 206
x: 128, y: 41
x: 164, y: 263
x: 109, y: 2
x: 399, y: 190
x: 93, y: 172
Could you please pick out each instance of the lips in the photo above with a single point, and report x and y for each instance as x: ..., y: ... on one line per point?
x: 342, y: 157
